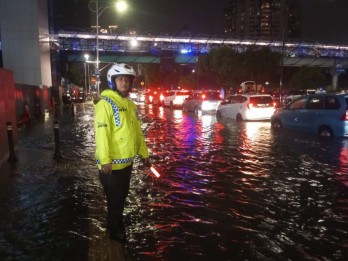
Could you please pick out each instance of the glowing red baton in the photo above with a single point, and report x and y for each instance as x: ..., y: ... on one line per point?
x: 155, y: 172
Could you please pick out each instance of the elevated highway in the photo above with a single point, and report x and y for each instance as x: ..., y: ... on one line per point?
x: 186, y: 49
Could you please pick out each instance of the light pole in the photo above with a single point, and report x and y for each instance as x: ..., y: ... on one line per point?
x: 284, y: 37
x: 195, y: 71
x: 121, y: 6
x: 86, y: 60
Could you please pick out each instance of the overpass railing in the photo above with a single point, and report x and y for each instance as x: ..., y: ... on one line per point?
x: 159, y: 45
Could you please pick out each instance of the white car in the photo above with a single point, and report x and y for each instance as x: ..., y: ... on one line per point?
x: 246, y: 107
x: 133, y: 94
x: 175, y: 98
x: 202, y: 101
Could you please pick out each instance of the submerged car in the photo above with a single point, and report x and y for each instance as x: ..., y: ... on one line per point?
x: 154, y: 97
x: 323, y: 114
x: 246, y: 107
x: 66, y: 98
x: 292, y: 95
x: 175, y: 98
x: 202, y: 101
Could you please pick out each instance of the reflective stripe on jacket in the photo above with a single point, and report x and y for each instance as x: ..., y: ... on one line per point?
x: 118, y: 133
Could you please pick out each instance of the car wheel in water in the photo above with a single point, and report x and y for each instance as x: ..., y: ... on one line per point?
x: 239, y: 117
x: 196, y: 110
x: 325, y: 132
x: 276, y: 124
x: 218, y: 115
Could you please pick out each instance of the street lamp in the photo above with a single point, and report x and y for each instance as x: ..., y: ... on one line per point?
x: 86, y: 60
x: 284, y: 37
x: 121, y: 6
x: 195, y: 71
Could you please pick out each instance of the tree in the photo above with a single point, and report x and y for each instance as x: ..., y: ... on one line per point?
x: 153, y: 75
x: 75, y: 74
x: 226, y: 67
x: 221, y: 66
x: 261, y: 63
x: 307, y: 77
x: 187, y: 81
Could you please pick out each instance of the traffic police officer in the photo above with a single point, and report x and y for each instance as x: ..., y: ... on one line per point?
x: 119, y: 139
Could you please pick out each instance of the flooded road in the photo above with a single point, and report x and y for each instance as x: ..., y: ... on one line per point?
x: 227, y: 191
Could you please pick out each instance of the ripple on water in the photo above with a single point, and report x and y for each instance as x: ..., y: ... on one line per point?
x: 227, y: 191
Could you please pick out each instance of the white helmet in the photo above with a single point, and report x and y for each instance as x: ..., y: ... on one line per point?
x: 119, y: 69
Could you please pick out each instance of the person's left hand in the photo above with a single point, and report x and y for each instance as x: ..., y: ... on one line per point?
x: 106, y: 168
x: 147, y: 162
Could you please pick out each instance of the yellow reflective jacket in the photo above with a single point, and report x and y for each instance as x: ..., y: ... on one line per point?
x: 118, y: 133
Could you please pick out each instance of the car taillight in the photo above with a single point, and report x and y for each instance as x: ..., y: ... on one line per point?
x: 250, y: 105
x: 344, y: 116
x: 274, y: 104
x: 203, y: 96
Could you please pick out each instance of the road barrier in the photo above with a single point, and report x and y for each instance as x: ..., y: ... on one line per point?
x: 57, y: 155
x: 72, y: 110
x: 12, y: 158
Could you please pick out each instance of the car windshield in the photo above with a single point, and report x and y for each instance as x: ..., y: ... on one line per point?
x: 261, y: 100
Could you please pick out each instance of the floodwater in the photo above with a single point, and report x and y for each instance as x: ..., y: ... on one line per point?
x: 227, y: 191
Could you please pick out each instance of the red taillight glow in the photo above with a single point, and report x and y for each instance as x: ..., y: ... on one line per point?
x: 203, y: 96
x: 250, y: 105
x: 344, y: 116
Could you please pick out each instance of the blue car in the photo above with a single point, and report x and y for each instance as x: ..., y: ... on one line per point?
x: 325, y: 115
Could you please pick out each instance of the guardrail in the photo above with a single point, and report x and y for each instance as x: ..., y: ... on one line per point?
x: 72, y: 41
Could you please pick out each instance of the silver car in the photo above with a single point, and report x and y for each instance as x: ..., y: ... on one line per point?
x: 202, y: 101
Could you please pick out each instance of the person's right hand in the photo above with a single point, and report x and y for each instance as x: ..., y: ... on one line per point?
x: 106, y: 168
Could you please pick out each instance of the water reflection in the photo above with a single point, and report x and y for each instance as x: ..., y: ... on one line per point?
x: 227, y: 191
x: 342, y: 169
x: 243, y: 186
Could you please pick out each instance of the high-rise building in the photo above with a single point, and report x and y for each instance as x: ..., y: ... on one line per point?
x: 273, y: 20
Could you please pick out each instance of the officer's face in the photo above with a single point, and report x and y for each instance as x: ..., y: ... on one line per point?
x: 122, y: 84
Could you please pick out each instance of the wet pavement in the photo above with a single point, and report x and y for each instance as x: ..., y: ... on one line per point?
x: 227, y: 191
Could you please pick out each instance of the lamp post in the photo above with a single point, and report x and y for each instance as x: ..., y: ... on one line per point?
x: 284, y: 37
x: 86, y: 60
x: 121, y: 6
x: 195, y: 71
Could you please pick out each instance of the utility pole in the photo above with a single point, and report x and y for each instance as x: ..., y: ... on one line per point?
x: 284, y: 37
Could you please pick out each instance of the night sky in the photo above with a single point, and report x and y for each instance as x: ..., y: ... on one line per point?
x: 323, y: 21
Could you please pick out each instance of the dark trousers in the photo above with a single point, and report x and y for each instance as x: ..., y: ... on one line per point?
x: 116, y: 188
